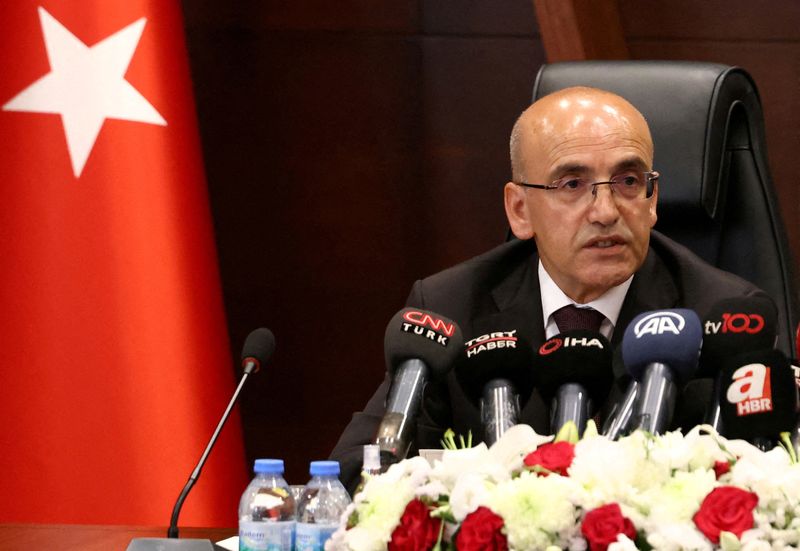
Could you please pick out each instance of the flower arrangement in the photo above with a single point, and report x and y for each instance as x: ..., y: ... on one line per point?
x: 697, y: 491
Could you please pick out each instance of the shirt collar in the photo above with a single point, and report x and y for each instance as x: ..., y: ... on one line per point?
x: 609, y: 303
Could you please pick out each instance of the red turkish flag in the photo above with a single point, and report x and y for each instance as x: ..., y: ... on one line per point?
x: 113, y: 345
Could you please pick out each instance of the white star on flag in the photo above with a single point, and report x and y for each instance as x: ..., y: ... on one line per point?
x: 86, y: 85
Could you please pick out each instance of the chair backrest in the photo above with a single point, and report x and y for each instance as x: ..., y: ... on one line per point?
x: 716, y: 195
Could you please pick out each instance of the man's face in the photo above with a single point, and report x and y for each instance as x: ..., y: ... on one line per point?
x: 591, y: 246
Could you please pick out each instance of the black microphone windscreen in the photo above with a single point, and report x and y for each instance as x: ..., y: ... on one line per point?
x: 413, y: 333
x: 500, y: 354
x: 582, y: 357
x: 736, y: 325
x: 758, y: 395
x: 259, y: 346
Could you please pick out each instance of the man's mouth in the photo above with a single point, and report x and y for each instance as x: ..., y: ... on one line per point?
x: 605, y: 243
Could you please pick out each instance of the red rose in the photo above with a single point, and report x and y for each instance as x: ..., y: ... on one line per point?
x: 601, y: 526
x: 417, y: 531
x: 481, y: 531
x: 726, y: 508
x: 721, y: 467
x: 555, y: 457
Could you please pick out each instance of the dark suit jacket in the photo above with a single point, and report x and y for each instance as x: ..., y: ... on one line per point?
x: 504, y: 282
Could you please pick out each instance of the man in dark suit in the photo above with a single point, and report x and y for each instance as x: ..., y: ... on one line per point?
x: 582, y: 204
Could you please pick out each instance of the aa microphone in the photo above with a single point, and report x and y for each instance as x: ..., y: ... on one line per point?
x: 734, y: 326
x: 495, y: 369
x: 573, y: 372
x: 660, y: 350
x: 759, y: 397
x: 257, y: 350
x: 419, y: 345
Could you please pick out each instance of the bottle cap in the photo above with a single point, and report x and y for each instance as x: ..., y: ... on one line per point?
x: 372, y: 457
x: 268, y: 466
x: 321, y: 468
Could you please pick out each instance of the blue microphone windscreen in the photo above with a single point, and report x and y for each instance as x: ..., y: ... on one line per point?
x: 672, y: 337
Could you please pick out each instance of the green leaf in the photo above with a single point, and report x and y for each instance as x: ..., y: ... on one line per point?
x: 568, y: 433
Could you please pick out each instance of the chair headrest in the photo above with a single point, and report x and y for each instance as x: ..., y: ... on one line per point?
x: 687, y: 105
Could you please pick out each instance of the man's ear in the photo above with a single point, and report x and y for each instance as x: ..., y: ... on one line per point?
x: 515, y: 200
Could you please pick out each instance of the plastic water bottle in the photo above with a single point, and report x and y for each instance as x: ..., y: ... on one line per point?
x: 266, y: 510
x: 371, y: 466
x: 322, y: 503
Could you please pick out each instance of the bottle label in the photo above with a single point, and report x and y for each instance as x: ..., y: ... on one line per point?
x: 266, y: 536
x: 312, y: 537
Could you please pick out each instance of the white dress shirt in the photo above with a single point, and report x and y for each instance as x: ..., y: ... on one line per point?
x: 553, y: 298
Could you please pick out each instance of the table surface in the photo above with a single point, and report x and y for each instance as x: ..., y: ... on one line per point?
x: 66, y: 537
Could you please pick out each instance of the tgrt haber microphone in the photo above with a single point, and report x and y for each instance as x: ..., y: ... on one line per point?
x: 759, y: 397
x: 419, y: 345
x: 257, y: 350
x: 573, y: 372
x: 733, y: 326
x: 495, y: 369
x: 660, y: 350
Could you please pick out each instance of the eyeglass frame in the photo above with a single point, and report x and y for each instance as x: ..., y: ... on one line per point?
x: 651, y: 177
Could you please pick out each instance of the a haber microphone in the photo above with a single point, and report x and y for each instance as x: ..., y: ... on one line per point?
x: 419, y: 345
x: 495, y: 370
x: 257, y: 350
x: 733, y: 326
x: 660, y: 350
x: 573, y: 372
x: 759, y: 397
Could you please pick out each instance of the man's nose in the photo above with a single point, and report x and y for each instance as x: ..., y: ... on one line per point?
x: 603, y: 209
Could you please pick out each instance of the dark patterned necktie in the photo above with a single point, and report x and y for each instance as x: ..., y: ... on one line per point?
x: 571, y: 318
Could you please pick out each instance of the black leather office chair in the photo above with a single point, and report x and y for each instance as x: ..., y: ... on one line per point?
x: 715, y: 192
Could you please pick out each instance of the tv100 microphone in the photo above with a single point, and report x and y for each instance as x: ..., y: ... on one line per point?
x: 759, y: 397
x: 573, y: 372
x: 495, y: 369
x: 419, y: 345
x: 660, y: 350
x: 731, y: 327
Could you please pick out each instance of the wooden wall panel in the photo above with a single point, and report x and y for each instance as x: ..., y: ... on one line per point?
x: 350, y: 149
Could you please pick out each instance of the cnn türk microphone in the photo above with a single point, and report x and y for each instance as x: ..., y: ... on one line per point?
x: 759, y: 397
x: 660, y: 350
x: 494, y: 371
x: 573, y: 372
x: 731, y: 327
x: 257, y: 350
x: 419, y: 345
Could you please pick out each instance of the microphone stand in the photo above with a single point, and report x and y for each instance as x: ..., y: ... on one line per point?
x: 171, y: 542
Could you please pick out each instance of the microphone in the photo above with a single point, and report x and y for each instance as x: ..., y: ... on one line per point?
x: 257, y: 350
x: 418, y: 345
x: 759, y: 397
x: 619, y: 418
x: 494, y: 370
x: 734, y: 326
x: 573, y: 372
x: 660, y: 350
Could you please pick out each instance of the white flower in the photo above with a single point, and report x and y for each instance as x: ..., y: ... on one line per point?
x: 623, y: 543
x: 517, y: 442
x: 677, y: 537
x: 537, y: 510
x: 470, y: 492
x: 477, y: 460
x: 612, y: 471
x: 679, y: 498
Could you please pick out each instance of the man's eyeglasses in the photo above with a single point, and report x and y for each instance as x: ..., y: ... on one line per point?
x: 632, y: 184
